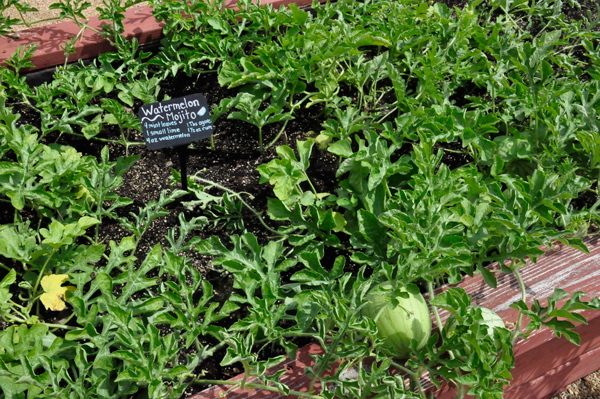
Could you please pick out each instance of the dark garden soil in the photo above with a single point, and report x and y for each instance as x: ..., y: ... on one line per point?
x: 233, y: 165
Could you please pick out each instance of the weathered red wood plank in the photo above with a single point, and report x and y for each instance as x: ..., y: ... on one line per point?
x: 561, y: 362
x: 138, y: 23
x: 294, y: 378
x: 566, y: 268
x: 557, y: 379
x: 544, y: 363
x: 551, y: 366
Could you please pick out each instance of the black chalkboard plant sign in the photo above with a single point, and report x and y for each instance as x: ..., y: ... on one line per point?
x: 176, y: 123
x: 424, y: 144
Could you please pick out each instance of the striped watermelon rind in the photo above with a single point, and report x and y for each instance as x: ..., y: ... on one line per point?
x: 398, y: 326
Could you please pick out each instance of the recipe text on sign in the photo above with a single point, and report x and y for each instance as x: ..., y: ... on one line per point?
x: 175, y: 122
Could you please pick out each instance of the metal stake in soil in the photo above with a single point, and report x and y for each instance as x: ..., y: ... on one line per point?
x: 183, y: 155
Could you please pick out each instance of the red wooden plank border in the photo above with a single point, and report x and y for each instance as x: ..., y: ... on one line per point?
x: 138, y: 23
x: 557, y: 379
x: 544, y: 364
x: 542, y: 353
x: 294, y: 378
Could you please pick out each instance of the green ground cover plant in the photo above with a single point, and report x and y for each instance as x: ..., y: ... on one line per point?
x: 461, y: 137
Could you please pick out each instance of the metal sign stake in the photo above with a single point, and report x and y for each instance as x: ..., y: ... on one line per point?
x: 183, y: 155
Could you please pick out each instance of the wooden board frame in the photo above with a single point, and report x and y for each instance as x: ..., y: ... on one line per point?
x: 138, y: 23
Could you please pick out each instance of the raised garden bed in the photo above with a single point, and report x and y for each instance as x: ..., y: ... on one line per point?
x: 544, y: 363
x: 379, y: 168
x: 138, y: 23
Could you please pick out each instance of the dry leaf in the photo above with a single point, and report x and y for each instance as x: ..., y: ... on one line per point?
x: 54, y: 295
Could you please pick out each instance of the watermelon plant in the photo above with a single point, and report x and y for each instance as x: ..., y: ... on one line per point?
x: 382, y: 149
x: 488, y: 318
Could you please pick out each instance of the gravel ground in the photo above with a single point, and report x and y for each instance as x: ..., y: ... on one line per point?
x: 585, y: 388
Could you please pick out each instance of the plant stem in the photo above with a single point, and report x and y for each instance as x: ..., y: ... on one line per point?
x: 415, y: 375
x: 438, y: 320
x: 517, y: 333
x: 256, y: 386
x: 22, y: 317
x: 246, y: 374
x: 421, y: 390
x: 388, y: 114
x: 334, y: 344
x: 210, y: 351
x: 460, y: 391
x: 238, y: 195
x: 404, y: 369
x: 124, y: 140
x: 14, y: 319
x: 387, y: 188
x: 454, y: 151
x: 314, y: 190
x: 60, y: 326
x: 37, y: 283
x: 29, y: 23
x: 63, y: 325
x: 278, y: 134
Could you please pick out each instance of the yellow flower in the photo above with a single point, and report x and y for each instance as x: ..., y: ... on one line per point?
x: 54, y: 295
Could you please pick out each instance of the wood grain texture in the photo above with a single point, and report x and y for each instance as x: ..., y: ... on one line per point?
x: 563, y: 267
x: 294, y: 378
x: 557, y: 379
x: 544, y: 364
x: 138, y: 23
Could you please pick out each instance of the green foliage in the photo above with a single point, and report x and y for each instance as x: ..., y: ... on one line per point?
x: 549, y: 316
x: 287, y: 173
x: 473, y: 347
x: 99, y: 186
x: 153, y: 210
x: 461, y: 137
x: 248, y: 110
